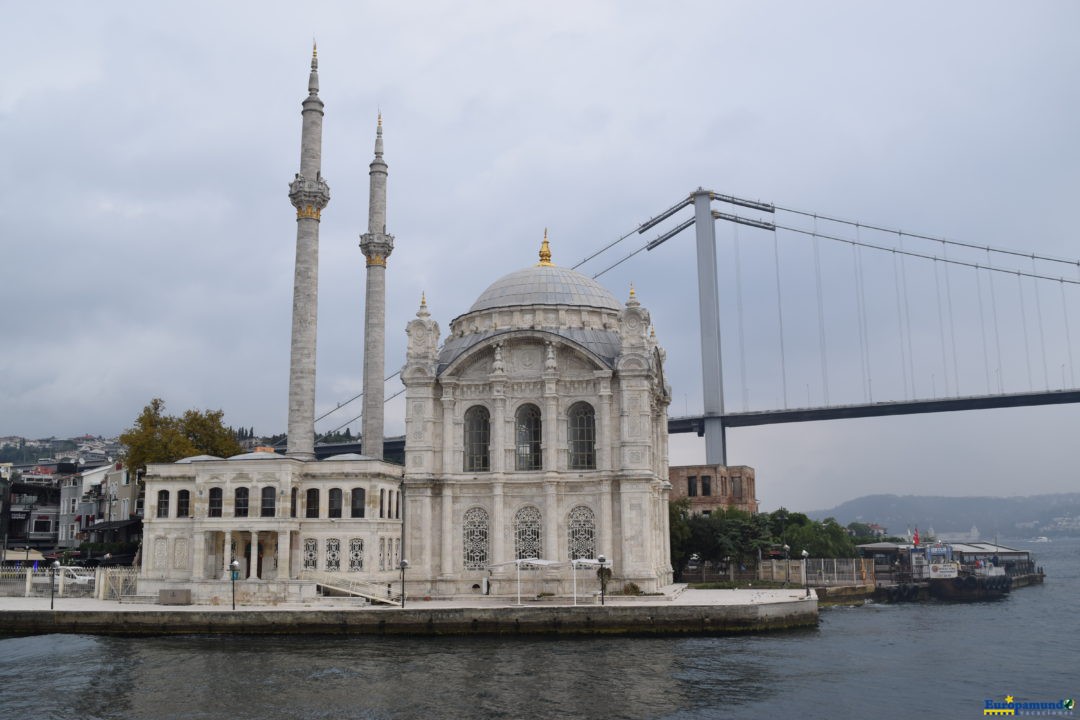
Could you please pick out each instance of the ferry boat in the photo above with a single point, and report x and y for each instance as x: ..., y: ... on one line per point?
x: 949, y: 580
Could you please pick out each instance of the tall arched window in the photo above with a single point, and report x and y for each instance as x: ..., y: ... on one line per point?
x: 292, y: 502
x: 528, y: 541
x: 183, y: 503
x: 163, y: 503
x: 214, y: 508
x: 312, y: 510
x: 475, y: 538
x: 240, y: 502
x: 335, y: 502
x: 268, y: 507
x: 477, y: 439
x: 358, y: 500
x: 581, y: 533
x: 527, y: 421
x: 581, y: 431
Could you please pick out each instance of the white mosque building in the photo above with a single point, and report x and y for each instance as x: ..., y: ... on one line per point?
x: 537, y: 431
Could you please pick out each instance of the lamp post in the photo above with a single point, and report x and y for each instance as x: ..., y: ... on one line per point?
x: 234, y: 566
x: 404, y: 564
x: 603, y: 572
x: 52, y: 581
x: 806, y: 582
x: 787, y: 564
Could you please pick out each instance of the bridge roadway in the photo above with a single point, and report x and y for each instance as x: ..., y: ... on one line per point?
x: 881, y: 409
x: 394, y: 447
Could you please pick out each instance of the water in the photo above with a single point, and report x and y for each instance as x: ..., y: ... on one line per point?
x: 882, y: 661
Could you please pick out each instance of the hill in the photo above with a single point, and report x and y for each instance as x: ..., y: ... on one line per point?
x: 1009, y: 517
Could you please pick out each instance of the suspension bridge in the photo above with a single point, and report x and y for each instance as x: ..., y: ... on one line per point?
x: 984, y: 324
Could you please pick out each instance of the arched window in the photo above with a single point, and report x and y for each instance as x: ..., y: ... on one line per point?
x: 358, y: 500
x: 183, y: 503
x: 581, y: 533
x: 527, y: 421
x: 581, y: 432
x: 240, y: 502
x: 475, y: 538
x: 312, y: 510
x: 292, y: 502
x: 528, y: 541
x: 163, y: 503
x: 214, y: 508
x: 268, y: 507
x: 335, y: 502
x: 477, y: 439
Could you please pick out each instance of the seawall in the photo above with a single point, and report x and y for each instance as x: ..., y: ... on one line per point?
x: 653, y: 620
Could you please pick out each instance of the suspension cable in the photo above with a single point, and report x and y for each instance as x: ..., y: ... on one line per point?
x: 1068, y: 338
x: 780, y: 318
x: 958, y: 243
x: 952, y: 325
x: 907, y: 322
x: 739, y: 310
x: 982, y: 329
x: 1042, y: 333
x: 1023, y: 323
x: 900, y: 325
x: 861, y: 279
x: 941, y: 328
x: 997, y: 334
x: 859, y: 314
x: 821, y: 318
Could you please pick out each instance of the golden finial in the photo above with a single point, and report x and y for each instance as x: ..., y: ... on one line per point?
x: 633, y: 294
x: 380, y: 117
x: 545, y: 252
x: 314, y: 49
x: 652, y: 333
x: 423, y: 299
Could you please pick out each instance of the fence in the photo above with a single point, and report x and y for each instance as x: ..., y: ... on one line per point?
x: 819, y: 572
x: 103, y: 583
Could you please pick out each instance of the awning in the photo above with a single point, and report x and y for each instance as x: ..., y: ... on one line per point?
x: 113, y: 525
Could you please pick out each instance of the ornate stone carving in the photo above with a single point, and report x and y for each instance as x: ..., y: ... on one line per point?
x: 181, y: 553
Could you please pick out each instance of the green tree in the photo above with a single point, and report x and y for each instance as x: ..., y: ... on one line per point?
x: 160, y: 438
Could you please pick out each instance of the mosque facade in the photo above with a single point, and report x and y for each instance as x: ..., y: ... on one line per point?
x: 536, y: 435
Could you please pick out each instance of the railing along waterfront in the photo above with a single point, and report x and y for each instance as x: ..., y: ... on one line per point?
x: 376, y: 592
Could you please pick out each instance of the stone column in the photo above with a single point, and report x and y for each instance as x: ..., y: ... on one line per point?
x: 605, y: 436
x: 226, y: 552
x: 448, y: 427
x: 253, y: 573
x: 498, y: 524
x: 198, y: 555
x: 447, y: 527
x: 551, y: 521
x: 605, y: 520
x: 284, y: 571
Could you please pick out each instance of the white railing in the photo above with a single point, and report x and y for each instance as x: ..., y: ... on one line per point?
x: 376, y: 592
x: 819, y: 572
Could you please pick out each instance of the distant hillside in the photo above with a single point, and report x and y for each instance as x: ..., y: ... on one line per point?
x: 1012, y: 517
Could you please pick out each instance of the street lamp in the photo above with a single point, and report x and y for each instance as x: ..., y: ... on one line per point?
x: 404, y: 564
x: 235, y: 567
x: 804, y: 579
x: 787, y: 564
x: 603, y: 573
x: 52, y: 581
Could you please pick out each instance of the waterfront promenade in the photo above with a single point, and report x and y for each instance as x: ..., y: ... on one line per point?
x: 689, y: 612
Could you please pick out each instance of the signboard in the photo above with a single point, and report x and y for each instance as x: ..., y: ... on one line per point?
x: 943, y: 571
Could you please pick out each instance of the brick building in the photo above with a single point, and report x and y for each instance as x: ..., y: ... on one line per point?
x: 712, y: 487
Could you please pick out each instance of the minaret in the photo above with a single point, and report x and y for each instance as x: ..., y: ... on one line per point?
x: 376, y: 246
x: 309, y: 195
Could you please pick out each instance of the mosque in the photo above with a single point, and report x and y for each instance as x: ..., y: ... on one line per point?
x: 536, y: 435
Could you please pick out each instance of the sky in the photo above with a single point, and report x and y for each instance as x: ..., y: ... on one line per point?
x: 147, y: 240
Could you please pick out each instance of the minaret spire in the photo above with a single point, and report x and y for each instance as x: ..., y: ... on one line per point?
x: 309, y: 194
x: 376, y: 245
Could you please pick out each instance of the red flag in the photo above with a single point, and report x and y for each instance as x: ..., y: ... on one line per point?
x: 915, y: 539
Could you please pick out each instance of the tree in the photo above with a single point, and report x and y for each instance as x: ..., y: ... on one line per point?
x: 160, y: 438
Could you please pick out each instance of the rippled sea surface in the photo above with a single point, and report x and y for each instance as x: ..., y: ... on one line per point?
x: 879, y: 661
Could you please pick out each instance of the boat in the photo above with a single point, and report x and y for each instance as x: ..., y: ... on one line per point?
x: 1040, y: 539
x: 948, y: 579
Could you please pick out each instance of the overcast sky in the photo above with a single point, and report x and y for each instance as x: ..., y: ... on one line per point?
x: 148, y: 240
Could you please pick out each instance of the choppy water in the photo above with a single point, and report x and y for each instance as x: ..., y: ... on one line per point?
x: 916, y: 660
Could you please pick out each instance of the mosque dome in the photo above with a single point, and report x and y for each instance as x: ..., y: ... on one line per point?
x: 545, y: 284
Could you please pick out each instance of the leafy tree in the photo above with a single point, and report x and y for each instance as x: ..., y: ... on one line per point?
x: 159, y: 438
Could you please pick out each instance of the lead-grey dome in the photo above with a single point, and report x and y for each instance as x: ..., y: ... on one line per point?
x: 545, y: 285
